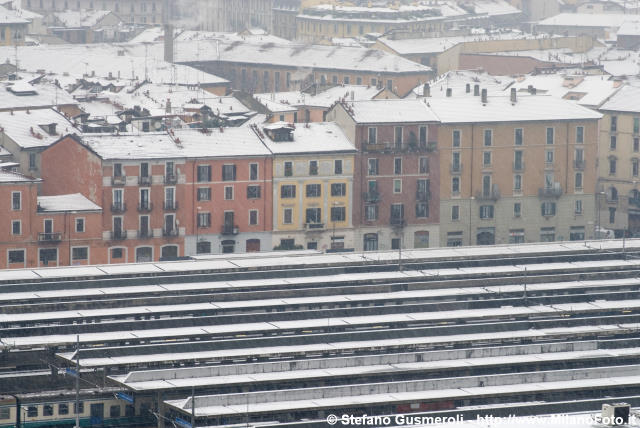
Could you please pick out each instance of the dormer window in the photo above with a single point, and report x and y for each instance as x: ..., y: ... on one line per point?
x: 279, y: 131
x: 49, y: 128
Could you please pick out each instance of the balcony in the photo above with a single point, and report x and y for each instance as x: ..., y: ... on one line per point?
x: 455, y: 168
x: 397, y: 221
x: 50, y: 237
x: 170, y: 205
x: 314, y: 227
x: 423, y: 196
x: 145, y: 234
x: 170, y: 179
x: 373, y: 147
x: 118, y: 235
x: 550, y: 192
x: 492, y: 195
x: 371, y: 197
x: 118, y: 207
x: 144, y: 180
x: 578, y: 164
x: 169, y: 232
x: 145, y: 207
x: 518, y: 166
x: 229, y: 229
x: 635, y: 202
x: 118, y: 180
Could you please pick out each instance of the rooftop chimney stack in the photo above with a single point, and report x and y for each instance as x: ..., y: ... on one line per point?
x: 476, y: 90
x: 484, y: 96
x: 449, y: 92
x: 514, y: 95
x: 426, y: 90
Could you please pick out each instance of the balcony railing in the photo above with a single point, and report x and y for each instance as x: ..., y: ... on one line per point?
x: 145, y: 207
x: 423, y: 195
x: 169, y: 232
x: 50, y: 237
x: 518, y: 166
x: 118, y: 235
x: 229, y: 229
x: 578, y: 164
x: 635, y: 202
x: 170, y: 205
x: 552, y: 192
x: 170, y: 179
x: 397, y: 221
x: 371, y: 197
x: 144, y: 180
x: 455, y: 168
x: 314, y: 227
x: 118, y: 180
x: 492, y: 195
x: 118, y: 207
x: 145, y: 234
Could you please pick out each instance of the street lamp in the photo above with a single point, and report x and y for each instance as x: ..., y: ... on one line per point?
x: 197, y: 227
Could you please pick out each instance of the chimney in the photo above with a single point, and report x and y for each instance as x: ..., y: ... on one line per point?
x: 514, y: 96
x: 168, y: 106
x: 484, y: 96
x: 530, y: 89
x: 426, y: 90
x: 449, y: 92
x: 476, y: 90
x: 468, y: 88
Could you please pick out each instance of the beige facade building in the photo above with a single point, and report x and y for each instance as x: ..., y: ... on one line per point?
x: 515, y: 169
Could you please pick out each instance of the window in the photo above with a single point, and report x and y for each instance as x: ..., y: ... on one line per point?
x: 517, y: 209
x: 204, y: 219
x: 204, y: 173
x: 548, y: 180
x: 456, y: 138
x: 79, y: 408
x: 114, y: 411
x: 488, y: 137
x: 204, y: 193
x: 373, y: 167
x: 455, y: 185
x: 202, y: 247
x: 32, y: 411
x: 288, y: 191
x: 397, y: 166
x: 423, y: 137
x: 516, y: 236
x: 613, y: 142
x: 486, y: 159
x: 337, y: 166
x: 612, y: 215
x: 486, y: 212
x: 517, y: 183
x: 16, y: 256
x: 313, y: 167
x: 390, y: 84
x: 576, y: 233
x: 16, y: 227
x: 371, y: 242
x: 518, y: 137
x: 79, y: 225
x: 346, y: 78
x: 614, y: 124
x: 338, y: 213
x: 16, y: 201
x: 371, y: 212
x: 486, y: 185
x: 313, y: 190
x: 548, y: 156
x: 455, y: 212
x: 547, y: 234
x: 117, y: 170
x: 397, y: 186
x: 613, y: 194
x: 228, y: 173
x: 313, y: 215
x: 578, y: 207
x: 253, y: 171
x: 253, y: 192
x: 63, y: 409
x: 373, y: 135
x: 579, y: 134
x: 338, y: 189
x: 287, y: 217
x: 550, y: 135
x: 228, y: 193
x: 423, y: 165
x: 117, y: 253
x: 548, y: 209
x: 288, y: 169
x: 634, y: 167
x: 636, y: 125
x: 578, y: 180
x: 518, y: 164
x: 79, y: 254
x: 397, y: 137
x: 454, y: 239
x: 612, y: 166
x: 253, y: 217
x: 32, y: 161
x: 422, y: 210
x: 636, y: 144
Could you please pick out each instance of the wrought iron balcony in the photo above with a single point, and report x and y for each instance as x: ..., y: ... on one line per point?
x: 170, y: 179
x: 50, y: 237
x: 170, y: 205
x: 144, y: 180
x: 423, y: 195
x: 518, y: 166
x: 145, y: 207
x: 118, y: 207
x: 229, y: 229
x: 118, y: 180
x: 145, y: 234
x: 397, y: 221
x: 550, y: 192
x: 455, y: 168
x: 314, y: 227
x: 118, y: 235
x: 169, y: 232
x: 371, y: 197
x: 492, y: 195
x: 578, y: 164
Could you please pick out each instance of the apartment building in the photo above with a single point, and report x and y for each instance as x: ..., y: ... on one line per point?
x: 515, y: 169
x: 13, y: 28
x: 397, y: 170
x: 313, y: 189
x: 618, y: 195
x: 131, y: 11
x: 46, y: 231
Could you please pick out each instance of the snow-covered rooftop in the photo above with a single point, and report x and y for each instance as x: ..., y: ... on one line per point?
x: 285, y: 101
x: 602, y: 20
x: 81, y: 18
x: 10, y: 17
x: 14, y: 177
x: 30, y: 129
x: 627, y: 99
x: 46, y: 95
x: 72, y: 202
x: 391, y: 111
x: 320, y: 137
